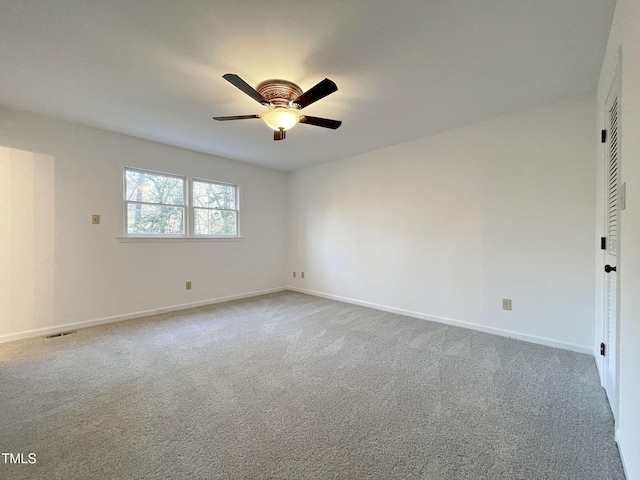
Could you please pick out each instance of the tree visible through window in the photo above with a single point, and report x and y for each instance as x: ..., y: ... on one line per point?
x: 214, y: 208
x: 156, y: 205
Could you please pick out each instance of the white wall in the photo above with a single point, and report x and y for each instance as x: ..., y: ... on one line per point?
x: 27, y: 239
x: 446, y: 226
x: 625, y: 37
x: 96, y: 276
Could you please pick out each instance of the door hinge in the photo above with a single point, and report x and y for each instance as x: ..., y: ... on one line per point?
x: 603, y: 136
x: 603, y: 243
x: 602, y: 349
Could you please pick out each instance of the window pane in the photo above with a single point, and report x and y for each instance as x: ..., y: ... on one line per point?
x: 153, y: 188
x: 214, y: 195
x: 155, y: 220
x: 214, y: 222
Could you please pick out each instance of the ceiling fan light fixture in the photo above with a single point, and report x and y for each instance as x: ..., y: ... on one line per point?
x: 284, y: 101
x: 280, y: 118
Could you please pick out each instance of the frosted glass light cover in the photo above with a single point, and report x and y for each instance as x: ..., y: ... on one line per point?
x: 280, y: 118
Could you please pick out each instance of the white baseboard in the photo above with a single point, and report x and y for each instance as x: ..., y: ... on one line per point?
x: 449, y: 321
x: 128, y: 316
x: 458, y: 323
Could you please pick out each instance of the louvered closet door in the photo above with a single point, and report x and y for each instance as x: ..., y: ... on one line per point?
x: 613, y: 178
x: 612, y: 227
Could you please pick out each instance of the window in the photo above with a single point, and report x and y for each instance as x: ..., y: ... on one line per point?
x: 155, y: 203
x: 214, y: 208
x: 165, y: 205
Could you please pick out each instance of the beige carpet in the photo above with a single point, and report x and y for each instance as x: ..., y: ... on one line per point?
x: 289, y: 386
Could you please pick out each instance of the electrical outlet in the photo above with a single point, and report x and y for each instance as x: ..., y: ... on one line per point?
x: 294, y: 274
x: 188, y: 285
x: 95, y: 219
x: 506, y: 304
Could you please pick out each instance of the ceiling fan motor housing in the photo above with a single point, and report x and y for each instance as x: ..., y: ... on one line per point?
x: 280, y: 93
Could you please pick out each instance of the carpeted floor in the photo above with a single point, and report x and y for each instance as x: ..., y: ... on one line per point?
x: 290, y: 386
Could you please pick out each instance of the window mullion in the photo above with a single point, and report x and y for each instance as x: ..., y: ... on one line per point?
x: 186, y: 192
x: 156, y: 203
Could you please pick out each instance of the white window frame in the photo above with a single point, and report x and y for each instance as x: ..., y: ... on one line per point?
x: 192, y: 208
x: 126, y: 203
x: 188, y: 208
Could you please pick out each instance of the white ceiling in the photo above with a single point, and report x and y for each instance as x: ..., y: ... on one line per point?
x: 405, y: 69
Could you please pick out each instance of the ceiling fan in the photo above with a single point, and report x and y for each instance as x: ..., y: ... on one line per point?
x: 284, y: 100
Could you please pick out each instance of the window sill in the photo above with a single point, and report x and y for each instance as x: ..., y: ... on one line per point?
x: 176, y: 239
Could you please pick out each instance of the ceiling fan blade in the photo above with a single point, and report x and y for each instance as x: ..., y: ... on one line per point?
x: 279, y: 134
x: 320, y: 122
x: 321, y: 90
x: 235, y: 80
x: 235, y: 117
